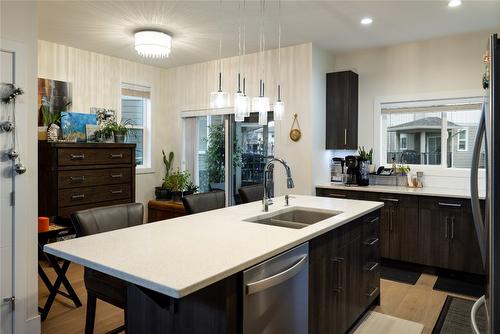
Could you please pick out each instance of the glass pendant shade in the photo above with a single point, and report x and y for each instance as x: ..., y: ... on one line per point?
x: 279, y: 110
x: 219, y: 100
x: 261, y: 105
x: 240, y: 106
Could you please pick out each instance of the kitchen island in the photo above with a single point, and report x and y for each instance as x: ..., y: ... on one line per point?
x: 185, y: 273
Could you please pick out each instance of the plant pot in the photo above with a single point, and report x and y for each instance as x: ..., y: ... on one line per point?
x: 401, y: 181
x: 119, y: 138
x: 371, y: 168
x: 176, y: 196
x: 163, y: 193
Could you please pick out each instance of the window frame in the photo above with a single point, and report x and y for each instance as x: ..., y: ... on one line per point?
x: 146, y: 166
x: 465, y: 140
x: 379, y: 138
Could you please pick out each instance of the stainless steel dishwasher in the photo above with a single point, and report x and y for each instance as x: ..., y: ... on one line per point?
x: 276, y: 294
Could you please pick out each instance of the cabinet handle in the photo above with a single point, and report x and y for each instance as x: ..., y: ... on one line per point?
x: 337, y: 195
x: 385, y: 199
x: 452, y: 228
x: 391, y: 220
x: 373, y: 267
x: 372, y: 220
x: 116, y: 176
x: 116, y: 191
x: 446, y: 227
x: 77, y: 156
x: 79, y: 196
x: 338, y: 261
x: 77, y: 178
x: 116, y: 156
x: 453, y: 205
x: 371, y: 242
x: 345, y: 136
x: 372, y: 293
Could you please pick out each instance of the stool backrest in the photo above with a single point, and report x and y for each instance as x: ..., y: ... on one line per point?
x: 204, y: 201
x: 251, y: 193
x: 107, y: 218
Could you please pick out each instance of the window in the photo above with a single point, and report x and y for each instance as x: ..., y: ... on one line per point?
x: 462, y: 139
x: 136, y: 111
x: 434, y: 132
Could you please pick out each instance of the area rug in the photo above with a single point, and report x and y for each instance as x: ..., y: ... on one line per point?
x: 378, y: 323
x: 461, y: 287
x: 455, y: 317
x: 399, y: 275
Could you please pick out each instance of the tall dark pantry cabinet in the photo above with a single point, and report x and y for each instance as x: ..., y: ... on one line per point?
x: 342, y: 110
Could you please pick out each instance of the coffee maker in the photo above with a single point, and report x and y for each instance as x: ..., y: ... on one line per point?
x: 351, y: 163
x: 337, y: 170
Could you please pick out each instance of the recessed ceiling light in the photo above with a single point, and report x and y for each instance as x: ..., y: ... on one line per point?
x: 454, y: 3
x: 366, y: 21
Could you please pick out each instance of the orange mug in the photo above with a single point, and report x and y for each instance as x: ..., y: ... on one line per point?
x: 43, y: 224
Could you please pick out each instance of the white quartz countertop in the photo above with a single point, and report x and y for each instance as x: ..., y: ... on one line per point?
x: 425, y: 191
x: 179, y: 256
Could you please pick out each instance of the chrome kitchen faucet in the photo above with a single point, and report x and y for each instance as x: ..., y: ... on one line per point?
x: 266, y: 201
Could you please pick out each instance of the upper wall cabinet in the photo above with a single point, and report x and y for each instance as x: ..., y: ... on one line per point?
x: 342, y: 110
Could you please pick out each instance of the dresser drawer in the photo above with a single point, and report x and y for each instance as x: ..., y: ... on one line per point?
x: 89, y: 156
x: 68, y: 210
x: 84, y: 195
x: 93, y: 177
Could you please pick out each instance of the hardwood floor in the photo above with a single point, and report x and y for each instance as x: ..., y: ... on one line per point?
x: 418, y: 303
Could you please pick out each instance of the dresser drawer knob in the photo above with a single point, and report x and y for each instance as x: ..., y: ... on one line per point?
x: 116, y: 156
x: 116, y: 176
x: 114, y: 192
x: 79, y: 196
x: 77, y: 156
x: 77, y: 178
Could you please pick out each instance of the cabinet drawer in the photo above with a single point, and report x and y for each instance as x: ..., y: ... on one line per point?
x: 78, y: 196
x: 336, y: 193
x: 93, y: 177
x: 89, y: 156
x: 442, y: 203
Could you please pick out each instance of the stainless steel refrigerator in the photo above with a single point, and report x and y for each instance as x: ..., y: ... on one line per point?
x: 485, y: 220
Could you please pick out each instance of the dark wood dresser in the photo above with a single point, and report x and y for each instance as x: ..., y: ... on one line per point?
x: 74, y: 177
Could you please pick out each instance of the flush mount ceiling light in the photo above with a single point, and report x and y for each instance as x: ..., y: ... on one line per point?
x: 454, y: 3
x: 153, y: 44
x: 366, y: 21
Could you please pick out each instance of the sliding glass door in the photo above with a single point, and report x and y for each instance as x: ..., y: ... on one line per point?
x: 217, y: 148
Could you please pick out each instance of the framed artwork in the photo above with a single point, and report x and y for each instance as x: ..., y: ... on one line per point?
x: 103, y: 115
x: 54, y: 94
x: 73, y: 125
x: 90, y: 130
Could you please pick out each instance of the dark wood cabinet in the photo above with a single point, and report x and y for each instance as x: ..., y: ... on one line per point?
x: 342, y: 110
x: 433, y: 231
x: 344, y: 278
x: 74, y: 176
x: 447, y: 235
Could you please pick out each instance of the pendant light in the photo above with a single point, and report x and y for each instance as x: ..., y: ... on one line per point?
x: 279, y: 106
x: 219, y: 99
x: 240, y: 100
x: 260, y: 104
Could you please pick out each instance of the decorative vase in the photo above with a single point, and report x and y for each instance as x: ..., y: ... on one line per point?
x: 53, y: 133
x: 119, y: 138
x: 364, y: 175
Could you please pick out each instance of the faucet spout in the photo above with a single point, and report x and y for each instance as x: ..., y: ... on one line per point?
x: 266, y: 200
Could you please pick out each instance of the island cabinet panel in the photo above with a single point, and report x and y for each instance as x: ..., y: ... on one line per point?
x: 211, y: 310
x: 343, y: 275
x: 447, y: 235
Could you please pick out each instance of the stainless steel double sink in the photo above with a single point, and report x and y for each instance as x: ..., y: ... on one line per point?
x: 295, y: 217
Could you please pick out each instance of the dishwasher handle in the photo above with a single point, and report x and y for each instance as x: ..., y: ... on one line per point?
x: 278, y: 278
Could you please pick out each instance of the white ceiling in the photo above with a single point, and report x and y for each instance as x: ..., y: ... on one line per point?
x: 107, y: 26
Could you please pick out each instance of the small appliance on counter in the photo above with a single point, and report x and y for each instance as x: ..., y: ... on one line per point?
x: 351, y: 164
x: 337, y: 170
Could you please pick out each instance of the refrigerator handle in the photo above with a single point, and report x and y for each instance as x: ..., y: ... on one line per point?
x: 476, y: 209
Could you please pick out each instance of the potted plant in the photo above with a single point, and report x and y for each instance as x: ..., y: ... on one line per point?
x: 52, y: 121
x: 120, y: 130
x: 403, y: 174
x: 177, y: 183
x: 105, y: 132
x: 162, y: 192
x: 364, y: 159
x: 191, y: 188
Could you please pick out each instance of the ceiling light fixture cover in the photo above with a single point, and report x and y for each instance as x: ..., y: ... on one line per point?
x: 366, y: 21
x: 153, y: 44
x: 454, y: 3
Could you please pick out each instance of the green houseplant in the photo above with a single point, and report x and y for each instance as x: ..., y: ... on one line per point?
x: 177, y: 183
x: 365, y: 155
x: 162, y: 192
